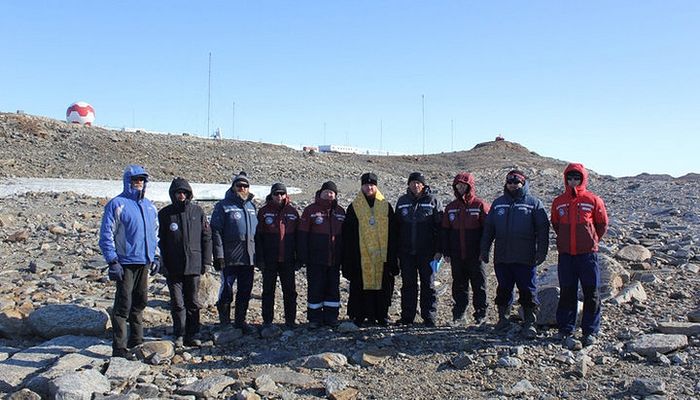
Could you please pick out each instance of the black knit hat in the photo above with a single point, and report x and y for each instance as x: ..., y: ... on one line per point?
x: 416, y: 176
x: 278, y: 187
x: 330, y: 185
x: 242, y: 176
x: 369, y: 177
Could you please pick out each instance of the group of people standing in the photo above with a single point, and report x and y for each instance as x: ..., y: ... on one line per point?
x: 370, y: 244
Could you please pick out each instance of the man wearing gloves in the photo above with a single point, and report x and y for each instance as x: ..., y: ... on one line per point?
x: 276, y: 242
x: 462, y: 227
x: 129, y: 244
x: 369, y: 254
x: 185, y: 246
x: 418, y: 218
x: 320, y: 247
x: 518, y: 223
x: 580, y: 220
x: 233, y: 225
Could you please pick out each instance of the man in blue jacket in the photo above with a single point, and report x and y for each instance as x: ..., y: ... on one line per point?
x: 129, y: 244
x: 518, y: 222
x: 233, y: 224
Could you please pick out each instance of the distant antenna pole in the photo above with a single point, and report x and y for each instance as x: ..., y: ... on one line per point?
x: 422, y: 106
x: 324, y: 134
x: 452, y: 129
x: 209, y: 96
x: 381, y: 132
x: 233, y: 121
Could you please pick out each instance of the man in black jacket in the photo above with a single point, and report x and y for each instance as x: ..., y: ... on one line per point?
x: 185, y: 246
x: 418, y: 215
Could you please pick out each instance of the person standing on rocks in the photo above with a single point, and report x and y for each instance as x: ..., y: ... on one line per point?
x: 276, y: 242
x: 233, y: 224
x: 369, y: 254
x: 462, y: 228
x: 418, y: 216
x: 580, y: 220
x: 185, y: 246
x: 129, y: 244
x: 320, y: 247
x: 519, y: 225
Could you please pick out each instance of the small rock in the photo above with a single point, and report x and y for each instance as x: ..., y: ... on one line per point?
x: 634, y: 253
x: 324, y: 361
x: 648, y: 345
x: 680, y: 328
x: 163, y: 349
x: 510, y: 362
x: 79, y: 385
x: 227, y: 337
x: 647, y: 387
x: 19, y: 236
x: 24, y: 394
x: 208, y: 387
x: 347, y: 327
x: 523, y: 387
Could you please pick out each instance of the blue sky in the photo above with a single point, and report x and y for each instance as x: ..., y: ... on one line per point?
x: 612, y: 84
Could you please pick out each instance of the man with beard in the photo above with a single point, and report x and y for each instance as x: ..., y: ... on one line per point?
x: 320, y: 247
x: 369, y: 255
x: 233, y: 224
x: 185, y: 245
x: 129, y: 244
x: 518, y: 223
x: 276, y: 242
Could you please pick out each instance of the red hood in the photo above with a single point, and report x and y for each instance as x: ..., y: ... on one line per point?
x: 584, y: 182
x: 464, y: 177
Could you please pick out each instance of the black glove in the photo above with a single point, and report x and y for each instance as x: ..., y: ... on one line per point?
x: 219, y: 264
x: 155, y: 266
x: 116, y: 271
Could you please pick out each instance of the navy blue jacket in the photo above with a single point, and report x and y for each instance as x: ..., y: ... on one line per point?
x: 233, y: 225
x: 418, y: 221
x: 520, y: 227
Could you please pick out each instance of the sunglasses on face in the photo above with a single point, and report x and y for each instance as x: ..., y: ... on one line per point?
x: 279, y: 194
x: 241, y: 185
x: 138, y: 179
x: 514, y: 181
x: 573, y: 178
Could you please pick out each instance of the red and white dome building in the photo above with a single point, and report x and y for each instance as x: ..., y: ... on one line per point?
x: 80, y: 113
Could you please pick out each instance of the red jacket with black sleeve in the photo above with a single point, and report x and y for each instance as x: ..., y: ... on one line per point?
x: 463, y: 222
x: 578, y: 217
x: 319, y: 233
x: 276, y: 233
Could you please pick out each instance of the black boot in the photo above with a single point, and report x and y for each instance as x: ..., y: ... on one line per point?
x: 503, y: 318
x: 224, y: 310
x: 530, y: 314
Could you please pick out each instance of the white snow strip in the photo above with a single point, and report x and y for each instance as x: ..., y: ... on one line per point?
x: 156, y: 191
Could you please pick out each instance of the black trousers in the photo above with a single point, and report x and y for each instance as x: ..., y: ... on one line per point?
x: 129, y: 303
x: 413, y: 267
x: 184, y: 305
x: 464, y: 273
x: 289, y: 292
x: 323, y: 303
x: 243, y: 274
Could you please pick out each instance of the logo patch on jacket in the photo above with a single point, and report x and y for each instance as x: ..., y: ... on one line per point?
x: 562, y: 211
x: 318, y: 220
x: 173, y: 227
x: 269, y: 220
x: 452, y: 216
x: 404, y: 211
x: 237, y: 215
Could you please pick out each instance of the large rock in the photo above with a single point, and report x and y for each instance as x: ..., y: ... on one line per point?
x: 287, y: 377
x: 613, y: 276
x: 634, y: 253
x: 549, y: 301
x: 634, y: 291
x: 208, y: 387
x: 68, y: 319
x: 121, y: 369
x: 69, y: 363
x: 649, y: 345
x: 208, y: 294
x: 679, y: 328
x: 79, y: 385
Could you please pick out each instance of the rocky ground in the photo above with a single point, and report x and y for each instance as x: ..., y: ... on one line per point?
x: 55, y: 298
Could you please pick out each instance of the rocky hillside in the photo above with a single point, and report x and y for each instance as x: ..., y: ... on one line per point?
x: 55, y: 298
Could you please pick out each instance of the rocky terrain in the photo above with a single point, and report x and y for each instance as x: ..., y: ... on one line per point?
x: 55, y: 298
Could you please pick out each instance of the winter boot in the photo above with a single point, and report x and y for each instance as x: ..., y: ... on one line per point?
x: 224, y: 310
x: 529, y: 331
x: 503, y: 318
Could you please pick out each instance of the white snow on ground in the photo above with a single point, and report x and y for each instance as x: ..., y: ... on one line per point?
x: 156, y: 191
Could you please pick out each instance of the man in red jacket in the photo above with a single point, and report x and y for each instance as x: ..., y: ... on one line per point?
x: 580, y: 220
x: 462, y: 228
